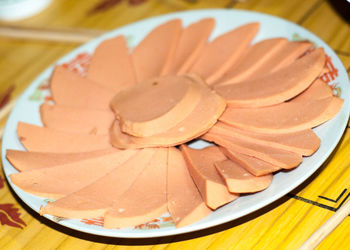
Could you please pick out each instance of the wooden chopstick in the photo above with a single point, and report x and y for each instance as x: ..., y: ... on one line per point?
x: 50, y: 35
x: 315, y: 239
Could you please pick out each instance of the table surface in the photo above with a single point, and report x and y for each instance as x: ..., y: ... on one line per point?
x: 285, y: 224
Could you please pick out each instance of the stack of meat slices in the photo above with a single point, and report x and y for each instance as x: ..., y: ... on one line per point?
x: 107, y: 147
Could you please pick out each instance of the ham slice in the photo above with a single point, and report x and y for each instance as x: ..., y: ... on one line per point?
x: 76, y: 120
x: 252, y: 164
x: 185, y: 203
x: 24, y: 160
x: 304, y: 142
x: 318, y: 90
x: 256, y: 56
x: 239, y: 180
x: 192, y: 41
x: 58, y: 181
x: 35, y: 138
x: 204, y: 116
x: 278, y: 157
x: 285, y: 117
x: 200, y: 164
x: 111, y: 65
x: 156, y: 51
x: 156, y: 105
x: 277, y: 87
x: 223, y: 52
x: 70, y: 89
x: 145, y: 199
x: 283, y: 58
x: 93, y: 200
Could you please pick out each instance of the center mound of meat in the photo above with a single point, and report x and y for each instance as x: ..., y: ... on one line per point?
x: 164, y: 111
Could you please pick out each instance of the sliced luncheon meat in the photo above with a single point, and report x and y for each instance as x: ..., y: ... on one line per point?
x: 285, y: 117
x: 252, y: 164
x: 325, y: 70
x: 93, y: 200
x: 277, y: 87
x: 113, y: 144
x: 70, y: 89
x: 76, y: 120
x: 257, y: 56
x: 204, y: 116
x: 223, y: 52
x: 200, y: 164
x: 304, y: 142
x: 39, y: 139
x: 146, y: 198
x: 192, y: 41
x: 318, y: 90
x: 58, y: 181
x: 185, y: 203
x: 156, y: 51
x: 154, y: 106
x: 283, y: 58
x: 24, y: 160
x: 278, y: 157
x: 111, y: 65
x: 239, y: 180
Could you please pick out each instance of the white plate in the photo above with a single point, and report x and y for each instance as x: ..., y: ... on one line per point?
x: 27, y: 110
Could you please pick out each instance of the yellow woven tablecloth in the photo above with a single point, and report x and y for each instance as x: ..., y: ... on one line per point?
x: 285, y: 224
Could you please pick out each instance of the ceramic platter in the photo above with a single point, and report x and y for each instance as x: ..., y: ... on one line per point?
x: 27, y: 110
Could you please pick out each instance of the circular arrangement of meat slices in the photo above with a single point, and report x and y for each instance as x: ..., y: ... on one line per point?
x: 118, y: 148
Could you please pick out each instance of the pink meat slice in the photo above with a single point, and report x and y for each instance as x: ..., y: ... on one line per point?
x: 58, y: 181
x: 93, y: 200
x: 283, y: 58
x: 318, y: 90
x: 278, y: 157
x: 70, y: 89
x: 239, y: 180
x: 252, y: 164
x: 145, y: 199
x: 203, y: 117
x: 185, y: 203
x: 277, y: 87
x: 156, y: 51
x: 200, y: 164
x: 304, y: 142
x: 39, y: 139
x: 24, y: 160
x: 223, y: 52
x: 76, y: 120
x: 191, y: 43
x: 155, y: 106
x: 285, y: 117
x: 257, y: 56
x: 111, y: 65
